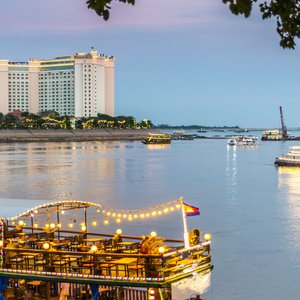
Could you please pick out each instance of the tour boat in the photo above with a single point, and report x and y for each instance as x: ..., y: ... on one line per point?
x: 157, y: 138
x: 291, y: 159
x: 243, y: 141
x: 55, y: 249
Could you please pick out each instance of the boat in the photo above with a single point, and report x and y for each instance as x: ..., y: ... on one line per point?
x: 202, y: 130
x: 271, y: 135
x: 157, y: 138
x: 57, y: 246
x: 276, y: 135
x: 241, y: 130
x: 243, y: 141
x: 291, y: 159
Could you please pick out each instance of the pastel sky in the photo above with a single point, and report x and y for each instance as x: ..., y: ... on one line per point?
x: 177, y: 62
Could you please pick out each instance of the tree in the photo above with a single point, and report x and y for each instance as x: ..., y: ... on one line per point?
x: 49, y: 113
x: 102, y: 7
x: 286, y: 13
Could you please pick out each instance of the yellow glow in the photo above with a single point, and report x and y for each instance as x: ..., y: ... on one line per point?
x: 207, y: 237
x: 94, y: 223
x: 119, y: 215
x: 154, y: 213
x: 1, y: 243
x: 71, y: 225
x: 161, y: 249
x: 52, y: 225
x: 83, y: 228
x: 13, y: 222
x: 153, y: 234
x: 113, y: 214
x: 59, y: 225
x: 119, y: 231
x: 166, y: 210
x: 46, y: 246
x: 108, y: 213
x: 130, y: 218
x: 124, y: 216
x: 103, y: 211
x: 142, y: 216
x: 147, y: 215
x: 118, y: 220
x: 98, y: 210
x: 82, y: 223
x: 171, y: 208
x: 36, y: 225
x: 159, y: 212
x: 21, y: 223
x: 106, y: 222
x: 178, y: 206
x: 94, y: 248
x: 135, y: 216
x: 47, y: 225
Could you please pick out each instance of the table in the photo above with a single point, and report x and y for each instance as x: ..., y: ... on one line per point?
x: 28, y: 256
x: 35, y: 283
x: 126, y: 261
x: 71, y: 258
x: 93, y: 240
x: 128, y: 246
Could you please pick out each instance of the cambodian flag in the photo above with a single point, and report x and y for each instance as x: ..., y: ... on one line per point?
x: 190, y: 210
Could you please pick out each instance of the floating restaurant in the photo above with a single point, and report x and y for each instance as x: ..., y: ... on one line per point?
x: 48, y: 252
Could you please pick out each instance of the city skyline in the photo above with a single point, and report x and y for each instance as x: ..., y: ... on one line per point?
x: 175, y: 63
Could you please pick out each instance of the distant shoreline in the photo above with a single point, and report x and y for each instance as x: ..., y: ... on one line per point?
x: 82, y: 135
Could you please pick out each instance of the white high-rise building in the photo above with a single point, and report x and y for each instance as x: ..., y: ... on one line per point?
x: 81, y: 85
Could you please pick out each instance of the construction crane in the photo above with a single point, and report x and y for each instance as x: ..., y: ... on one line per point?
x: 284, y: 132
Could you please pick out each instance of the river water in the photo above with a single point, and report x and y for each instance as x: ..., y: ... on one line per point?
x: 251, y: 208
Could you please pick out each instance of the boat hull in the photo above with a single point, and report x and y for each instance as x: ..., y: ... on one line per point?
x: 286, y: 163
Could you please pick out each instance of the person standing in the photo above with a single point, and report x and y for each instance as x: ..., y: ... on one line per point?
x: 64, y: 291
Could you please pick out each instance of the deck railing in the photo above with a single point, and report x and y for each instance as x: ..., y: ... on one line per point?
x: 73, y: 254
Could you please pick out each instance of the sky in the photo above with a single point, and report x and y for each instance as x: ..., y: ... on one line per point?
x: 177, y: 62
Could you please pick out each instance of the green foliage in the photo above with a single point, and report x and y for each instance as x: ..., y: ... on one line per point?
x: 48, y: 113
x: 51, y: 120
x: 286, y: 13
x: 102, y: 7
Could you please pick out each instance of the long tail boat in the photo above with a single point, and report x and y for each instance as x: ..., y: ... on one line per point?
x: 55, y: 249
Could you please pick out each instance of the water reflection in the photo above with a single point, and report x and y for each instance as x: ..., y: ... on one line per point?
x: 158, y: 146
x: 231, y: 171
x: 289, y: 184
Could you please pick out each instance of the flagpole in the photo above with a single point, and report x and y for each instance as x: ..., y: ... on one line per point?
x: 185, y: 229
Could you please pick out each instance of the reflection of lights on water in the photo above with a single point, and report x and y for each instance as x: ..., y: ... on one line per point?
x: 158, y: 146
x: 231, y: 169
x: 289, y: 185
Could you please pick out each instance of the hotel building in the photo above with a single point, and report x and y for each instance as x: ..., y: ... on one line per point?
x: 81, y: 85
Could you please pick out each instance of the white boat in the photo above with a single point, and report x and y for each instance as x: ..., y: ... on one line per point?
x: 291, y: 159
x: 243, y: 141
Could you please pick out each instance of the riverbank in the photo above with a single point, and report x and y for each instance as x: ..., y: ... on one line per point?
x: 26, y: 136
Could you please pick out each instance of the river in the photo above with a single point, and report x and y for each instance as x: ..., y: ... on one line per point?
x: 248, y: 205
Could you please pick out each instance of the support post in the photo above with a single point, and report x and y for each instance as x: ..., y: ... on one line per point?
x: 185, y: 229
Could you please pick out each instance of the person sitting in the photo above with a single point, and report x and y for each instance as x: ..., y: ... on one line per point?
x: 194, y: 237
x: 117, y: 238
